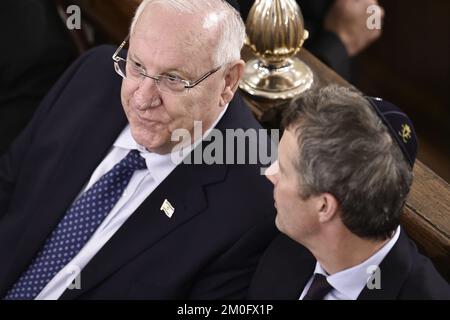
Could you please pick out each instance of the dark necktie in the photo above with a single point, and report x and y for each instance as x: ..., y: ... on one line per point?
x: 76, y: 228
x: 319, y: 288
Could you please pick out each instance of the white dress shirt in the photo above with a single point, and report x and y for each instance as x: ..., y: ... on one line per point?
x: 349, y: 283
x: 141, y: 185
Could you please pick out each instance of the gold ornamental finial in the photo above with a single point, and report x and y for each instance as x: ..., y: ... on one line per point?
x: 275, y: 34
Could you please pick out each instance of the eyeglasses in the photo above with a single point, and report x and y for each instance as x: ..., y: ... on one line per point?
x: 168, y: 83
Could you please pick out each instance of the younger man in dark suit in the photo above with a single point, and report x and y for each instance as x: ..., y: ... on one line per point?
x: 343, y: 174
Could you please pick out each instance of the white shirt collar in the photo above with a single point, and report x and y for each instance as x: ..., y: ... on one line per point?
x: 159, y: 165
x: 350, y: 282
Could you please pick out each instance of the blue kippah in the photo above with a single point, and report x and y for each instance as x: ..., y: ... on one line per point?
x: 399, y: 126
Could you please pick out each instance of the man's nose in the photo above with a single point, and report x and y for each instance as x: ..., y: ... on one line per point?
x: 272, y: 172
x: 147, y: 94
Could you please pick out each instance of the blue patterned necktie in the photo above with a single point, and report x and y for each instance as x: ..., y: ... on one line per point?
x: 76, y: 228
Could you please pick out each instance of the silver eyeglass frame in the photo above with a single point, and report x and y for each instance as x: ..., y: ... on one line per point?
x: 157, y: 78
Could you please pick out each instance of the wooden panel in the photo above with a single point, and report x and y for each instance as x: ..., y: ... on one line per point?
x: 410, y: 65
x: 426, y: 217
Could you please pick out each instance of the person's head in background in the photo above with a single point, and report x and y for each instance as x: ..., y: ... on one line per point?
x: 342, y: 178
x: 192, y: 51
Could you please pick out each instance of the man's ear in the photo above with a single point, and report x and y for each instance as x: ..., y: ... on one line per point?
x: 232, y: 77
x: 327, y: 206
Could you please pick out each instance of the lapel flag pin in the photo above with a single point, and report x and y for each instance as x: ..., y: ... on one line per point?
x: 167, y: 208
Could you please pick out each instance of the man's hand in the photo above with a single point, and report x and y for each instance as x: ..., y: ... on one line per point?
x: 348, y: 19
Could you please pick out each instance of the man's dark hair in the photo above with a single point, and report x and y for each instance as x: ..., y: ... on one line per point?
x: 345, y: 150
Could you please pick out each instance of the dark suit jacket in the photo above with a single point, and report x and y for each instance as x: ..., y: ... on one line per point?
x: 208, y: 249
x: 286, y: 267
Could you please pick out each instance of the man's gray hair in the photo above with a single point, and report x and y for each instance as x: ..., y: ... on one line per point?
x: 345, y: 150
x: 231, y: 27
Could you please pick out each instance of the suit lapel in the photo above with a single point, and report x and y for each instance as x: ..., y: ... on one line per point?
x: 394, y: 269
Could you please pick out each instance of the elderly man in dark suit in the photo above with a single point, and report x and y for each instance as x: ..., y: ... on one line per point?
x: 96, y: 201
x: 342, y: 178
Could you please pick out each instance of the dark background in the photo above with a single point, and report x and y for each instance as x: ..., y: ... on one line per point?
x: 409, y: 65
